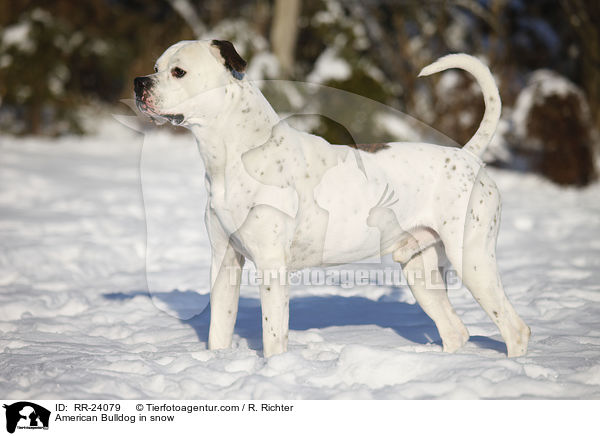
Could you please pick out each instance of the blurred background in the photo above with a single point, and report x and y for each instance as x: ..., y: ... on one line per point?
x: 63, y: 59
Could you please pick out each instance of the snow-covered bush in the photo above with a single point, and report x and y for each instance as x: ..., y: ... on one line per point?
x: 41, y: 61
x: 552, y: 129
x: 61, y: 55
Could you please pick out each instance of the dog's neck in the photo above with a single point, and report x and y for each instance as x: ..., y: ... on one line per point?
x: 246, y: 122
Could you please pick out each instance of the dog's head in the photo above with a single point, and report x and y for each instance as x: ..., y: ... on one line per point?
x: 189, y: 82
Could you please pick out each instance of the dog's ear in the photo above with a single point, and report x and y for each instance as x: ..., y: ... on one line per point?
x: 225, y: 52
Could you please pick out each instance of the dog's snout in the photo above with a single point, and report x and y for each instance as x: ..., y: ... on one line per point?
x: 141, y: 83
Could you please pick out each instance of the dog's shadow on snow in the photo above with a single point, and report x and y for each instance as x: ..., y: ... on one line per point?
x: 314, y: 312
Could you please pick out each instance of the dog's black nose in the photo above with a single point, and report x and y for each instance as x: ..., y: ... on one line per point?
x: 141, y: 83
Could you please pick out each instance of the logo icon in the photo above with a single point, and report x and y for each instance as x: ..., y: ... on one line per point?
x: 26, y: 415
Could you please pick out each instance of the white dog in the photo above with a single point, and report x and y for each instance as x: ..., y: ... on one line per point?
x: 273, y: 192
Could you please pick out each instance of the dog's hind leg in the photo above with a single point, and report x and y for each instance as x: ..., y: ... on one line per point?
x: 427, y: 284
x: 480, y: 276
x: 476, y: 264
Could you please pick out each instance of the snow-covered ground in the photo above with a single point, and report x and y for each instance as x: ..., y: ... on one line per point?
x: 77, y: 318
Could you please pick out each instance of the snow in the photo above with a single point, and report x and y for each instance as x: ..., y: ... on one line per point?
x: 499, y: 148
x: 329, y: 67
x: 457, y: 31
x: 77, y: 319
x: 449, y: 82
x: 396, y: 127
x: 334, y: 13
x: 18, y: 35
x: 188, y: 12
x: 263, y: 66
x: 58, y: 79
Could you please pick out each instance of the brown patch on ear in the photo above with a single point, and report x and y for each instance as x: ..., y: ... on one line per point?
x: 370, y: 148
x: 233, y: 61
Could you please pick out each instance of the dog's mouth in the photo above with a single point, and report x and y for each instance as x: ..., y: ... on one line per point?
x: 174, y: 118
x: 158, y: 118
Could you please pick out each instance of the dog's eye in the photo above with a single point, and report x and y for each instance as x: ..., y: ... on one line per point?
x: 177, y: 73
x: 155, y: 69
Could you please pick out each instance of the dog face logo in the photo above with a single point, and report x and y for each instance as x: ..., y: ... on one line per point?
x: 189, y: 82
x: 26, y: 415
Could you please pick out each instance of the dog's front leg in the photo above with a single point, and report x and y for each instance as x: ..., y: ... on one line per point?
x: 226, y: 267
x: 274, y: 299
x: 267, y: 236
x: 225, y: 277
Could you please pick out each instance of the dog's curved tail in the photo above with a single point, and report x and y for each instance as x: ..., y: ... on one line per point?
x: 479, y: 142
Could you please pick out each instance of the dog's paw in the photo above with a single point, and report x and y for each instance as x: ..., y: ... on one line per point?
x: 518, y: 346
x: 455, y: 339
